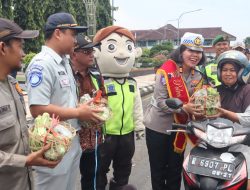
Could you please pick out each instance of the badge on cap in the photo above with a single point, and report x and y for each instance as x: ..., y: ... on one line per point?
x: 197, y: 41
x: 193, y: 41
x: 35, y: 75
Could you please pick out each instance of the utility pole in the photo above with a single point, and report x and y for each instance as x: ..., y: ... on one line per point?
x: 91, y: 16
x: 113, y: 9
x: 178, y: 40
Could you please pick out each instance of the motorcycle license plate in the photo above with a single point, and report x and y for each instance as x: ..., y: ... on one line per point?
x: 211, y: 168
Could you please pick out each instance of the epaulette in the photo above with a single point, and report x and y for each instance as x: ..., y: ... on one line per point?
x: 15, y: 83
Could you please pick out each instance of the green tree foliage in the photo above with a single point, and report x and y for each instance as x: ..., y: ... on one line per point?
x: 80, y: 12
x: 30, y: 14
x: 24, y: 16
x: 103, y: 14
x: 162, y: 47
x: 55, y: 6
x: 156, y: 55
x: 145, y: 52
x: 6, y: 9
x: 27, y: 59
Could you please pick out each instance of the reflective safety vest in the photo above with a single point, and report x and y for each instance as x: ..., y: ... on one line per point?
x: 211, y: 73
x: 121, y: 101
x: 96, y: 78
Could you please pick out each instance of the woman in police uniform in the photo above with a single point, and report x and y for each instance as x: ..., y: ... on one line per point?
x: 177, y: 78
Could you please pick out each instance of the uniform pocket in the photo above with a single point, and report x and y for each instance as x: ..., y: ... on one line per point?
x: 7, y: 130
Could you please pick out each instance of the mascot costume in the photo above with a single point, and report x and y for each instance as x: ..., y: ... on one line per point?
x: 115, y: 58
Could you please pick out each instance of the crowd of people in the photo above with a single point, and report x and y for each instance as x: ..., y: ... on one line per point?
x: 70, y: 66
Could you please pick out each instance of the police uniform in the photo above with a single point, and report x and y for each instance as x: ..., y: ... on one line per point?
x: 165, y: 163
x: 50, y: 81
x: 124, y: 101
x: 157, y: 119
x: 13, y: 139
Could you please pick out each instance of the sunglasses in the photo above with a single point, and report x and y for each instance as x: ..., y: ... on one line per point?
x: 86, y: 51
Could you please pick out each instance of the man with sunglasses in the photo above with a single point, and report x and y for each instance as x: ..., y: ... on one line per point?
x: 89, y: 80
x: 52, y: 89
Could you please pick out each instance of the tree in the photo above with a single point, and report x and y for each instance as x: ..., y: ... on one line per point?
x: 30, y: 14
x: 161, y: 48
x: 55, y: 6
x: 80, y: 12
x: 145, y: 52
x: 24, y: 16
x: 103, y: 14
x: 6, y: 9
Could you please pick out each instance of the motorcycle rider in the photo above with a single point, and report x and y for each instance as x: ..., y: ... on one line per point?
x: 234, y: 91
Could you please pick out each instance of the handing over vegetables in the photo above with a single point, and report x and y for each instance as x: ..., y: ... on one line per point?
x: 48, y: 130
x: 208, y: 99
x: 100, y: 103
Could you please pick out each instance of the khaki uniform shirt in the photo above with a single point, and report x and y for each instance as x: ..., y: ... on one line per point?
x: 157, y: 116
x: 13, y: 139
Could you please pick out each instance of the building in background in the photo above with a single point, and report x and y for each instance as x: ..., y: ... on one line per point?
x: 150, y: 38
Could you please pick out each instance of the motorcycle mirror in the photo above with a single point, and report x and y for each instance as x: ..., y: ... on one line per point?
x: 174, y: 103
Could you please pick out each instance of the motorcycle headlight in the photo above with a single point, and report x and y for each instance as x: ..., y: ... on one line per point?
x: 219, y: 138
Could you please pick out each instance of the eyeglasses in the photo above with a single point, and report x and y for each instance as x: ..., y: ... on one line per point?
x: 86, y: 51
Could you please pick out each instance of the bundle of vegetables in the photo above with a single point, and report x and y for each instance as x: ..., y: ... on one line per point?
x: 47, y: 130
x: 208, y: 99
x: 100, y: 103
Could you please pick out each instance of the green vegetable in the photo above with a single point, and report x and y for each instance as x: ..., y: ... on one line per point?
x: 51, y: 154
x: 41, y: 123
x: 60, y: 150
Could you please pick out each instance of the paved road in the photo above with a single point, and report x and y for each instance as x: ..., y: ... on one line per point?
x: 140, y: 176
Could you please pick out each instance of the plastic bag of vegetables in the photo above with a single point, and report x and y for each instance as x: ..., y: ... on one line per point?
x: 98, y: 102
x: 49, y: 130
x: 208, y: 99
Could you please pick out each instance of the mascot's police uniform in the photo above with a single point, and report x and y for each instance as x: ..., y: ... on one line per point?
x: 115, y: 58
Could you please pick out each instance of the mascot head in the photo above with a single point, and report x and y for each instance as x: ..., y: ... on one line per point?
x: 117, y: 53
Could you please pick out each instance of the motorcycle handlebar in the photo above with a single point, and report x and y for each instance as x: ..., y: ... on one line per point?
x: 177, y: 126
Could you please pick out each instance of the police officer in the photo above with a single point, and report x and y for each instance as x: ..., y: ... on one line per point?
x: 89, y: 80
x: 15, y: 157
x: 52, y: 88
x: 176, y: 76
x: 221, y: 44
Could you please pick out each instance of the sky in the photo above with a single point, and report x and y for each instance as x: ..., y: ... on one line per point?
x: 232, y: 15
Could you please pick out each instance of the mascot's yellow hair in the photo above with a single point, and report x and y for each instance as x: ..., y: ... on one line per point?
x: 104, y: 32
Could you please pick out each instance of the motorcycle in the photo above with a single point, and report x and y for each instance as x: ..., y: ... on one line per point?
x: 213, y: 166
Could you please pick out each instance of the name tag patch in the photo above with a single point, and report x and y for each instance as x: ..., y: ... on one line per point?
x: 5, y: 109
x: 64, y: 82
